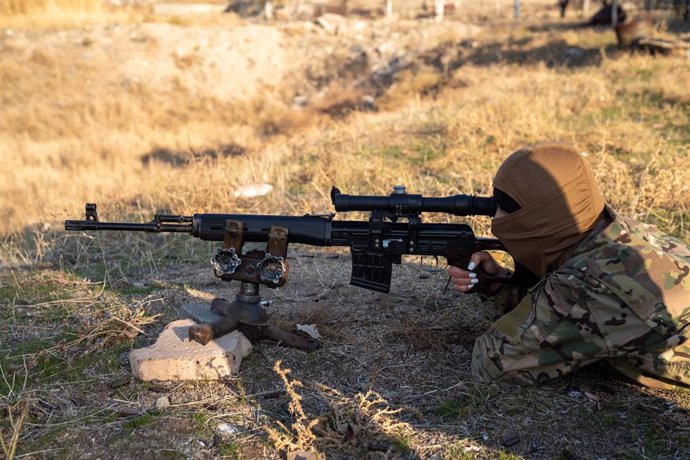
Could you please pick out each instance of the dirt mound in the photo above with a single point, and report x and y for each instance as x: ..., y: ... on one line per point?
x: 235, y: 62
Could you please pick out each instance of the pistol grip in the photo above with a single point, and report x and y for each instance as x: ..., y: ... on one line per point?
x: 485, y: 279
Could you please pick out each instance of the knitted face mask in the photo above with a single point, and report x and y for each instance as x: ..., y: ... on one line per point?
x: 559, y: 204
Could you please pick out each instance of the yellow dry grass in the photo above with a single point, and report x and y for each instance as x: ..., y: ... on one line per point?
x: 67, y: 135
x: 56, y: 14
x: 33, y: 7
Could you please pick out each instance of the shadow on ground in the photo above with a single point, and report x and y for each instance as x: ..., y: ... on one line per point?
x: 178, y: 159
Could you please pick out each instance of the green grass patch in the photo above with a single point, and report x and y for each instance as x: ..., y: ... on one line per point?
x: 48, y: 367
x: 605, y: 420
x: 655, y: 442
x: 38, y: 344
x: 95, y: 271
x: 139, y: 421
x: 448, y: 409
x: 52, y: 367
x: 171, y: 453
x: 428, y: 151
x: 503, y: 455
x: 392, y: 151
x: 645, y: 74
x: 670, y: 221
x: 403, y: 443
x: 34, y: 290
x: 48, y: 438
x: 201, y: 427
x: 298, y: 189
x: 458, y: 451
x: 7, y: 294
x: 230, y: 450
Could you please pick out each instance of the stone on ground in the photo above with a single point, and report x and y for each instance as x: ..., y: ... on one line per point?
x: 175, y: 357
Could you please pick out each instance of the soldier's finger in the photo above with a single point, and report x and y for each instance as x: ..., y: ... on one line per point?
x: 478, y: 258
x: 462, y: 288
x: 457, y: 272
x: 461, y: 284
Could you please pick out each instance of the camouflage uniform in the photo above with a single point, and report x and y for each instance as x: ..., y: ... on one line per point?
x: 623, y: 296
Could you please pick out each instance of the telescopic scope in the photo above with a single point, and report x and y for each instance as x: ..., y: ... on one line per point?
x: 401, y: 203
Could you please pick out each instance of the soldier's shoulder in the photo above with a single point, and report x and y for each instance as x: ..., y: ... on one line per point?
x: 647, y: 237
x: 624, y: 236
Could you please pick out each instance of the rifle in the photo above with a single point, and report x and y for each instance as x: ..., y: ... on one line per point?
x: 375, y: 244
x: 394, y: 229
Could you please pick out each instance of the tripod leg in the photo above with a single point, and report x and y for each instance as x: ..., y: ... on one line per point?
x: 204, y: 333
x: 289, y: 339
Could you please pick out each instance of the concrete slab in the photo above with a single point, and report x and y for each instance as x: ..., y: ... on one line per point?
x: 175, y: 357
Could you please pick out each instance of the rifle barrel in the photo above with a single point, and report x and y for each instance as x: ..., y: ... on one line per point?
x: 167, y: 225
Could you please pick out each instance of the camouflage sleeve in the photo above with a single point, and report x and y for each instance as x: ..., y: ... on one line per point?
x: 506, y: 296
x: 551, y: 332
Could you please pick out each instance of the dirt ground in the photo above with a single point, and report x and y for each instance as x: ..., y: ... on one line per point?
x: 392, y: 380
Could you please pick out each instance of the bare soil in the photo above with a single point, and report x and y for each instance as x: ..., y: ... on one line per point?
x: 392, y: 380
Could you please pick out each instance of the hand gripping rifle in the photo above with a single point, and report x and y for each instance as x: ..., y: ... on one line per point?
x: 394, y: 229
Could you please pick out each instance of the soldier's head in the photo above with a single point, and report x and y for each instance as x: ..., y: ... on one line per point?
x: 548, y: 201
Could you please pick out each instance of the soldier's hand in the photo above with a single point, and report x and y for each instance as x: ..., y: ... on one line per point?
x: 464, y: 279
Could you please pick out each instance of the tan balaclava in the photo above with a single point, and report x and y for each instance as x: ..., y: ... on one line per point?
x: 559, y: 200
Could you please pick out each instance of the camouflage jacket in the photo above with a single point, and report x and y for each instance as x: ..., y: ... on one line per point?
x: 623, y: 296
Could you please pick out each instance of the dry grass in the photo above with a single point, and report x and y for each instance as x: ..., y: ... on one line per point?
x: 57, y: 14
x: 38, y: 7
x: 68, y: 137
x: 300, y: 436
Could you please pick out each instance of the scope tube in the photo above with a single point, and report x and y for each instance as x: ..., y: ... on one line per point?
x: 403, y: 203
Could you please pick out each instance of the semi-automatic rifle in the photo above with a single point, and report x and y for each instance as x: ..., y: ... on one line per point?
x: 394, y: 229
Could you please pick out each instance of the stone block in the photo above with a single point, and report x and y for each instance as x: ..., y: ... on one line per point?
x: 175, y: 357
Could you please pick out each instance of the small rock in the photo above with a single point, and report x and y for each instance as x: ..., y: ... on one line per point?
x: 368, y: 103
x: 252, y: 190
x: 309, y: 329
x: 162, y: 403
x: 331, y: 23
x: 300, y: 100
x: 511, y: 441
x: 228, y: 429
x: 574, y: 394
x: 302, y: 455
x: 575, y: 52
